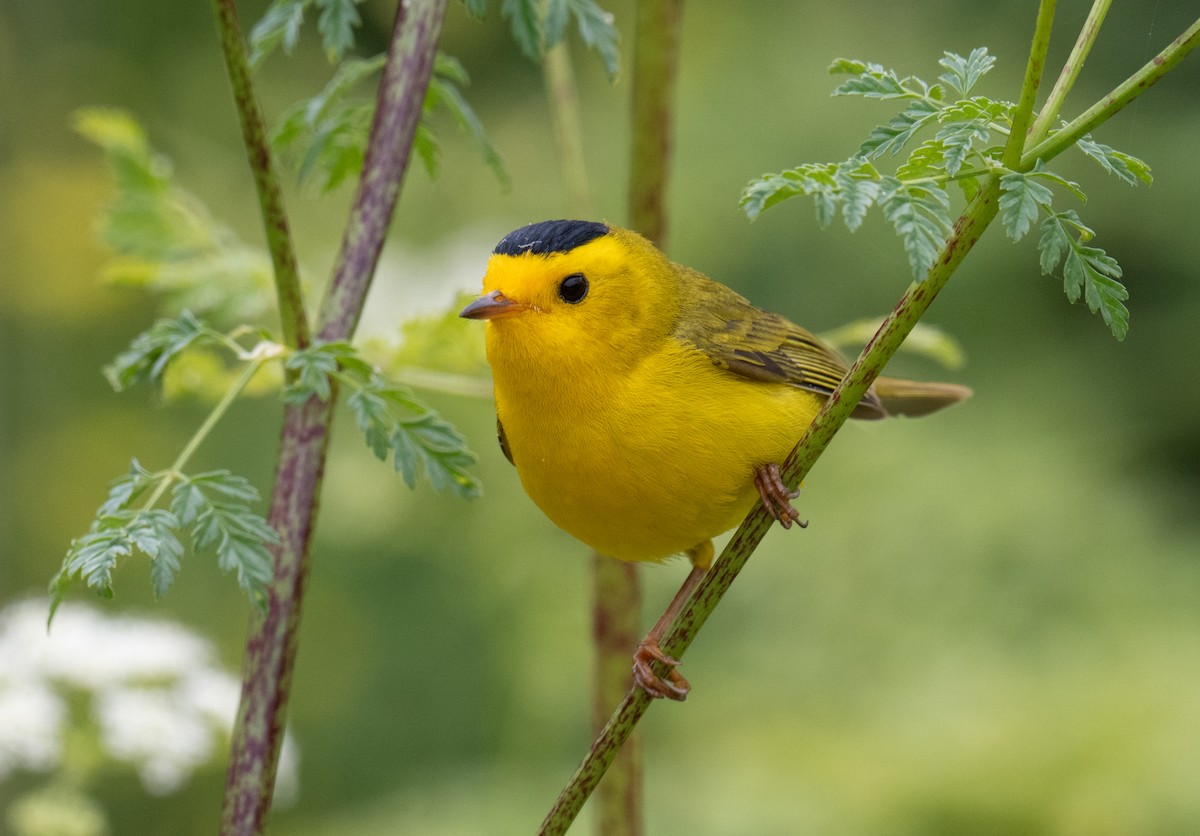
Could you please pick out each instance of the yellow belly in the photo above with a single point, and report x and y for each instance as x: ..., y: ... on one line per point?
x: 659, y: 461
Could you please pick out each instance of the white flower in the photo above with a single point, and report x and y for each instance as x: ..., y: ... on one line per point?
x: 31, y: 721
x: 160, y: 702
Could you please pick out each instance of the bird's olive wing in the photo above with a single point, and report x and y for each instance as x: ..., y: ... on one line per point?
x: 760, y: 345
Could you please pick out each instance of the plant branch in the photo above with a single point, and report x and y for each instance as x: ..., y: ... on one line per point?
x: 279, y: 240
x: 1122, y: 94
x: 397, y: 114
x: 271, y: 646
x: 1011, y: 156
x: 198, y: 437
x: 568, y: 131
x: 1070, y: 72
x: 655, y: 68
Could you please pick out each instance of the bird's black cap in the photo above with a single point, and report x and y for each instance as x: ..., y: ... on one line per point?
x: 546, y: 237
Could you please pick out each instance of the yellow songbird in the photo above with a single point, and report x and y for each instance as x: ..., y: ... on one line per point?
x: 645, y: 406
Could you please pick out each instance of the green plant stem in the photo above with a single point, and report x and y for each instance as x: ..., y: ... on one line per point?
x: 1122, y: 94
x: 273, y: 640
x: 270, y: 198
x: 1034, y: 67
x: 198, y: 437
x: 980, y: 212
x: 563, y: 97
x: 1070, y: 72
x: 655, y: 69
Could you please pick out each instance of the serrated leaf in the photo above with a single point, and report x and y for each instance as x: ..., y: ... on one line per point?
x: 250, y: 561
x: 962, y: 74
x: 279, y: 26
x: 847, y: 66
x: 526, y: 26
x: 1039, y: 170
x: 926, y: 160
x: 1020, y: 199
x: 125, y: 489
x: 149, y: 353
x: 893, y: 136
x: 872, y: 81
x: 919, y: 216
x: 771, y: 189
x: 1128, y: 168
x: 187, y: 501
x: 979, y: 109
x: 312, y: 369
x: 1053, y: 244
x: 336, y: 24
x: 957, y: 139
x: 1091, y: 269
x: 598, y: 31
x: 1088, y: 272
x: 226, y: 484
x: 859, y: 188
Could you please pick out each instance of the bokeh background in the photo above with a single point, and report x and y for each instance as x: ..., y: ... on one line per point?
x: 992, y: 624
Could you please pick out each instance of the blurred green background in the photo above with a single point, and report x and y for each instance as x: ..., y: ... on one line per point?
x: 993, y: 623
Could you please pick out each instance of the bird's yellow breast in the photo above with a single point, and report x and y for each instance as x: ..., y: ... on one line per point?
x: 639, y: 451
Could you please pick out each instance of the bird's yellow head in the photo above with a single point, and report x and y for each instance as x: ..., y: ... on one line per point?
x: 574, y: 289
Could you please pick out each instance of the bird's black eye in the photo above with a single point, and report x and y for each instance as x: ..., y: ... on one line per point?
x: 573, y: 288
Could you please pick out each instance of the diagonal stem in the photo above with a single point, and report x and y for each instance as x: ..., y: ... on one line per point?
x: 1122, y: 94
x: 1070, y: 72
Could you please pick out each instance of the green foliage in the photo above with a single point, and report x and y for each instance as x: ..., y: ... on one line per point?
x: 164, y: 239
x: 280, y: 27
x: 211, y: 510
x: 393, y: 420
x: 327, y: 135
x: 1087, y: 271
x: 537, y: 26
x: 148, y: 355
x: 915, y: 199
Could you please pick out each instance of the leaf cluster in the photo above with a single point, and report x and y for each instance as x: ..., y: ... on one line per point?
x: 209, y: 511
x: 394, y: 422
x: 164, y: 239
x: 326, y: 136
x: 538, y: 25
x: 954, y: 136
x: 281, y: 24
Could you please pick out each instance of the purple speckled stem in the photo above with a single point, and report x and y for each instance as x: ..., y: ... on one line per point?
x: 271, y: 647
x: 397, y: 113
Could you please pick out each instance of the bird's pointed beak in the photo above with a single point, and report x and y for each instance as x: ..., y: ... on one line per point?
x: 494, y: 305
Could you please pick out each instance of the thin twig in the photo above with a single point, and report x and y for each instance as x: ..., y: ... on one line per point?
x: 254, y: 133
x: 1122, y: 94
x: 1034, y: 68
x: 1070, y: 72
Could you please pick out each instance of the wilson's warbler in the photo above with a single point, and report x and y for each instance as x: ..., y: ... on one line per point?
x: 646, y: 406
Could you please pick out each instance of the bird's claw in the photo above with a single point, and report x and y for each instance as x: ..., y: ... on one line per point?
x: 674, y: 687
x: 776, y: 497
